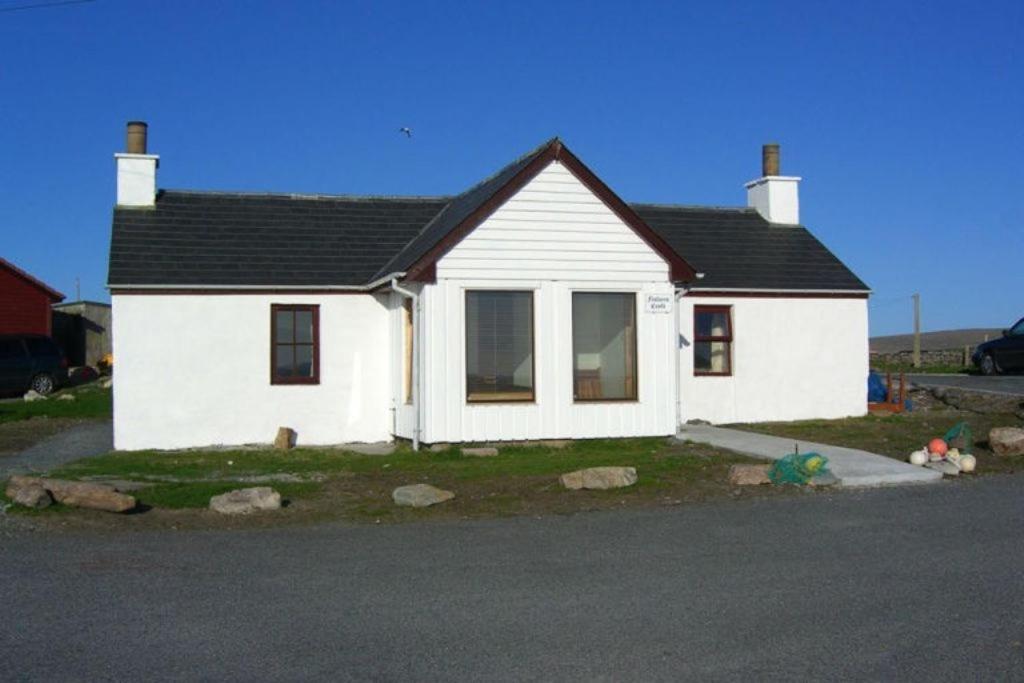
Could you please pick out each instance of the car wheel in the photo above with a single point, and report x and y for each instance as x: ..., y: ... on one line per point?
x: 43, y: 383
x: 988, y: 365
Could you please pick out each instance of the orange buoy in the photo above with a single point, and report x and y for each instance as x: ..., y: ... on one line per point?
x: 938, y: 447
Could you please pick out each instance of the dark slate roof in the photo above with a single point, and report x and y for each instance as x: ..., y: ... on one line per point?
x: 457, y: 211
x: 231, y: 239
x: 738, y: 249
x: 198, y: 238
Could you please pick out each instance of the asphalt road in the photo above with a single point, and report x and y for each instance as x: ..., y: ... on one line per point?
x: 919, y: 583
x: 1005, y: 384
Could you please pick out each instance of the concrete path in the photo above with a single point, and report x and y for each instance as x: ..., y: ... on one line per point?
x: 851, y: 466
x: 80, y: 441
x: 1006, y: 384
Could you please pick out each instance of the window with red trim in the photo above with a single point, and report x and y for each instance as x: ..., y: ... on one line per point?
x: 712, y: 340
x: 294, y: 344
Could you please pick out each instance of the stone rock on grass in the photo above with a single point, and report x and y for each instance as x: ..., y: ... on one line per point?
x: 485, y: 452
x: 245, y: 501
x: 106, y: 383
x: 420, y: 495
x: 599, y: 478
x: 749, y: 475
x: 66, y: 397
x: 33, y: 395
x: 76, y: 493
x: 32, y: 496
x: 285, y: 438
x: 1006, y: 441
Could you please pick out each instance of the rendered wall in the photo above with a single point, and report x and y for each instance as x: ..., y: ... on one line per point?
x: 194, y: 370
x: 793, y: 359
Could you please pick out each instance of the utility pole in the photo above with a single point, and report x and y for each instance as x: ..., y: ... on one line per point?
x: 917, y: 330
x: 78, y: 289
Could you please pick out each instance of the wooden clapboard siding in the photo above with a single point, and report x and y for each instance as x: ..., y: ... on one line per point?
x: 553, y: 228
x: 553, y: 237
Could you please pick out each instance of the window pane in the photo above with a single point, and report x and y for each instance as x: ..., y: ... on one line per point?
x: 284, y: 322
x: 284, y: 361
x: 499, y: 346
x: 304, y: 360
x: 711, y: 357
x: 712, y: 324
x: 304, y: 327
x: 604, y: 345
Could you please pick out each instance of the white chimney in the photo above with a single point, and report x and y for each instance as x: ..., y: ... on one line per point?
x: 136, y: 170
x: 776, y: 197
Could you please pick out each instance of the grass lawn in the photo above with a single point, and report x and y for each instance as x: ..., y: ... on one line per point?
x: 897, y: 435
x: 91, y: 402
x: 344, y: 485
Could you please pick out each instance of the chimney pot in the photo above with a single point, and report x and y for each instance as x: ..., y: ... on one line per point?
x: 136, y: 137
x: 770, y: 160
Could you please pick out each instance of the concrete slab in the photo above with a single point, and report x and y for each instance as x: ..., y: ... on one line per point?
x: 852, y: 467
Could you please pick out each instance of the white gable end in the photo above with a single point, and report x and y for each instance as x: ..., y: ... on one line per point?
x: 554, y: 228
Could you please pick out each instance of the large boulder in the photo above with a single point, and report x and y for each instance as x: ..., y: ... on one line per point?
x: 749, y: 475
x: 33, y: 395
x: 80, y: 494
x: 599, y: 478
x: 1006, y: 440
x: 245, y: 501
x: 420, y: 495
x: 32, y: 496
x: 285, y: 438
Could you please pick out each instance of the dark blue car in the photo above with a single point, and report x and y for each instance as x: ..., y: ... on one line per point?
x: 31, y: 361
x: 1005, y: 354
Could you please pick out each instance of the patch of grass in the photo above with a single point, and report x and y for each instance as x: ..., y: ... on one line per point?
x: 91, y: 402
x: 519, y: 480
x: 198, y: 494
x: 896, y: 436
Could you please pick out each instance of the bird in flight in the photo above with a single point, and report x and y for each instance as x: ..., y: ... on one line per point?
x: 406, y: 130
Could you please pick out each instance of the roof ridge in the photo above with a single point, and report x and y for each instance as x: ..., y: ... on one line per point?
x: 387, y: 268
x: 307, y: 195
x: 536, y: 150
x: 706, y: 207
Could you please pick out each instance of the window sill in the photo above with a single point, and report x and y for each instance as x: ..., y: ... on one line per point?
x: 631, y: 401
x: 300, y: 382
x: 712, y: 374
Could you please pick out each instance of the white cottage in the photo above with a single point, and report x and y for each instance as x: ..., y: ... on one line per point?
x: 535, y: 305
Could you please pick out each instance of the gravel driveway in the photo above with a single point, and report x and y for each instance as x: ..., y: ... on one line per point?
x: 916, y: 583
x: 79, y: 441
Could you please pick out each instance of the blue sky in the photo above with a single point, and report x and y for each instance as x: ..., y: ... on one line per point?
x: 905, y: 119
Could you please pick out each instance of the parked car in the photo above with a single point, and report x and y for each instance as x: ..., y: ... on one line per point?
x: 1004, y: 354
x: 31, y: 361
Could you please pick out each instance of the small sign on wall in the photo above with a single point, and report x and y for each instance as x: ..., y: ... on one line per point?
x: 659, y: 303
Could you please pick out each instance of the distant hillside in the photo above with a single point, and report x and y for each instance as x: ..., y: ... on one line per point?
x: 932, y: 341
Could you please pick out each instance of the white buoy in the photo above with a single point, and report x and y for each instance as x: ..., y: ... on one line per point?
x: 968, y: 463
x: 918, y: 458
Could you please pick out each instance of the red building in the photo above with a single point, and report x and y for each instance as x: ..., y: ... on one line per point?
x: 24, y: 302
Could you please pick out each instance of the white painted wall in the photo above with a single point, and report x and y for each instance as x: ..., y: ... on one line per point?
x: 195, y: 371
x: 553, y: 237
x: 793, y: 359
x: 136, y: 179
x: 776, y: 198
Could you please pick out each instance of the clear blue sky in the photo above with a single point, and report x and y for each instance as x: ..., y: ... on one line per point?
x: 905, y: 119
